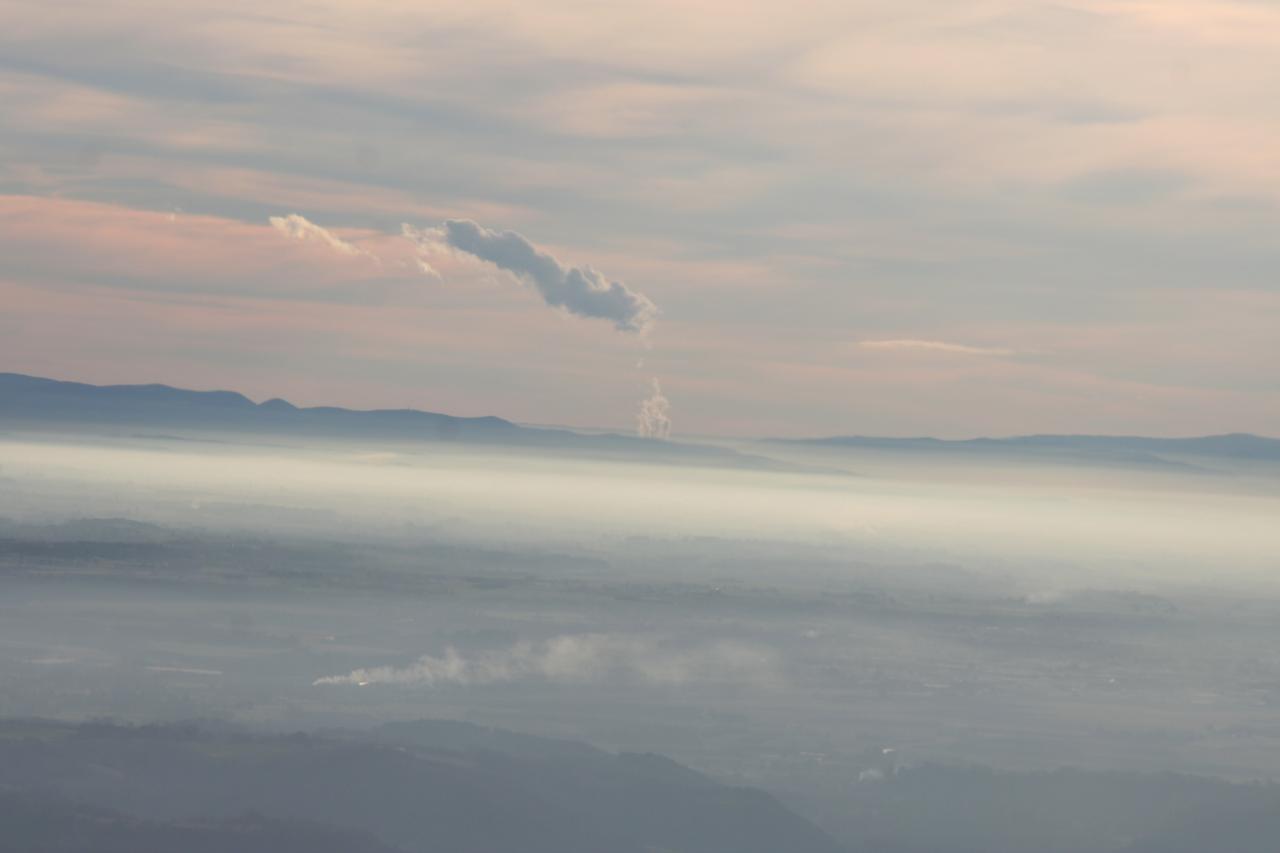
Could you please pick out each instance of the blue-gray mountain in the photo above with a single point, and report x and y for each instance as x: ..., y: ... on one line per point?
x: 1236, y: 445
x: 30, y: 402
x: 414, y: 788
x: 33, y: 402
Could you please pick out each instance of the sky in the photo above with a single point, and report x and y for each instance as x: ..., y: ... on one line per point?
x: 889, y: 217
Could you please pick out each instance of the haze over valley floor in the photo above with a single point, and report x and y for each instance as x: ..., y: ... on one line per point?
x: 811, y: 618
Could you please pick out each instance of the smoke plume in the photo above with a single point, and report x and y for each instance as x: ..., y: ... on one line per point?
x: 654, y: 418
x: 577, y: 658
x: 578, y: 290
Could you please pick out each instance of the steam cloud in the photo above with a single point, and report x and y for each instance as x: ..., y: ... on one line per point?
x: 654, y: 418
x: 301, y: 228
x: 578, y: 290
x: 577, y: 658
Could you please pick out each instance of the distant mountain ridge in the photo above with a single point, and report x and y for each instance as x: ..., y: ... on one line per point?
x: 1233, y: 445
x: 32, y: 401
x: 32, y: 398
x: 28, y: 402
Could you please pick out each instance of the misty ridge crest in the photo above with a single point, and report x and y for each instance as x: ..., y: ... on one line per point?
x: 29, y: 402
x: 1231, y: 445
x: 29, y: 398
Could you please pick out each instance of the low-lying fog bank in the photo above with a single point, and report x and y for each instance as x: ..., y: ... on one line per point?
x: 778, y: 628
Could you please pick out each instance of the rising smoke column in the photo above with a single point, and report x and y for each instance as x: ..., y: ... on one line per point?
x: 579, y: 290
x: 654, y: 418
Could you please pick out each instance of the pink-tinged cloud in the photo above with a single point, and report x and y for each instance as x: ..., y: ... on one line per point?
x: 300, y: 228
x: 914, y: 345
x: 67, y: 241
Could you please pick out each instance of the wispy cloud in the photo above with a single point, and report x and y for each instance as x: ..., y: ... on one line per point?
x: 89, y: 243
x: 301, y: 228
x: 935, y: 346
x: 578, y: 658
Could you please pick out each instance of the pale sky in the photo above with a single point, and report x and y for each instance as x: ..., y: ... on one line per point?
x: 891, y: 217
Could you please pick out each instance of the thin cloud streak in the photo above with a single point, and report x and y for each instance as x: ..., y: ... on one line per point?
x: 909, y: 344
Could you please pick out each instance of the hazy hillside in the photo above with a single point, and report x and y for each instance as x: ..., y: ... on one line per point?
x: 948, y: 809
x: 438, y: 785
x: 413, y: 796
x: 46, y: 823
x: 29, y: 402
x: 30, y: 399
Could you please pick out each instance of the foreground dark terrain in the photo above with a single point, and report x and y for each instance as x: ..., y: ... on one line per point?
x: 453, y: 786
x: 412, y: 787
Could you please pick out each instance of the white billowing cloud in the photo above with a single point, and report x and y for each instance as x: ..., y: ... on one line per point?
x: 654, y: 418
x: 935, y: 346
x: 578, y: 658
x: 578, y: 290
x: 429, y: 241
x: 301, y: 228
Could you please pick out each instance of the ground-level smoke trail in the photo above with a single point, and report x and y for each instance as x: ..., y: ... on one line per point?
x: 579, y: 659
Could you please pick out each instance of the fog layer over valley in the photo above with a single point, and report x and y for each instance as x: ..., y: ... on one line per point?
x: 867, y: 632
